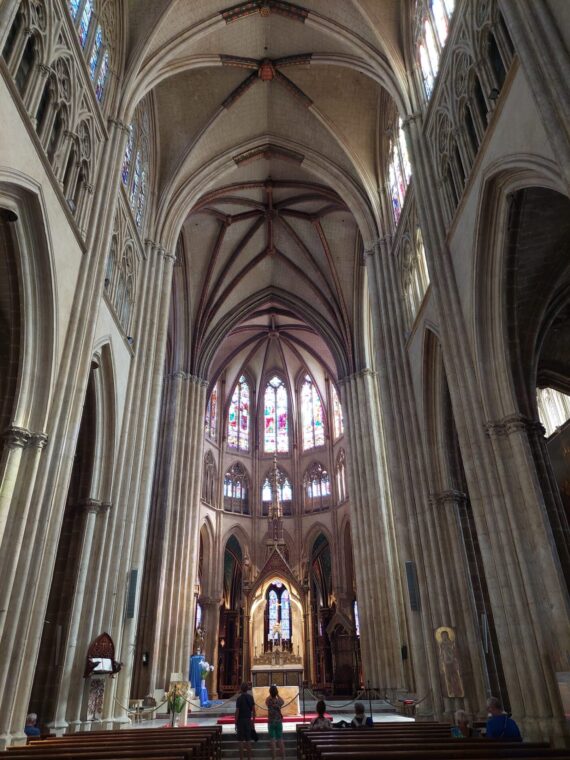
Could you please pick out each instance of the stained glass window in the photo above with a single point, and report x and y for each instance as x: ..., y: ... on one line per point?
x: 356, y: 619
x: 311, y: 416
x: 399, y: 170
x: 273, y: 614
x: 136, y: 180
x: 435, y: 16
x: 276, y: 433
x: 341, y: 476
x: 285, y: 492
x: 317, y: 488
x: 236, y: 490
x: 102, y: 78
x: 338, y: 421
x: 212, y: 414
x: 141, y: 200
x: 238, y: 417
x: 125, y: 170
x: 94, y: 59
x: 85, y: 21
x: 285, y: 615
x: 74, y: 8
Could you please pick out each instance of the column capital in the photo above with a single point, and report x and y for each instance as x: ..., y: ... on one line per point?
x: 513, y: 423
x: 105, y: 507
x: 447, y: 498
x: 16, y: 437
x: 366, y: 372
x: 39, y: 440
x: 410, y: 118
x: 90, y: 506
x: 380, y: 241
x: 182, y: 375
x: 119, y: 124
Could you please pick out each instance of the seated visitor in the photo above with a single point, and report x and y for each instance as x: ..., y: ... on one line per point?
x: 500, y: 724
x: 463, y: 728
x: 320, y: 723
x: 31, y: 728
x: 360, y: 720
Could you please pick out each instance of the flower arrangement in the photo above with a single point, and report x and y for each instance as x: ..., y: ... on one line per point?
x: 176, y: 697
x: 206, y: 668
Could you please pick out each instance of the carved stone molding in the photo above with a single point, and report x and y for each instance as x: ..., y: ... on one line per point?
x: 39, y: 440
x: 90, y: 506
x: 104, y: 507
x: 119, y: 124
x: 513, y: 423
x: 181, y: 375
x: 447, y: 498
x: 17, y: 437
x: 367, y: 372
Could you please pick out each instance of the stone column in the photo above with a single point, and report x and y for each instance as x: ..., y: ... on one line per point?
x: 450, y: 583
x: 544, y: 58
x: 376, y: 562
x: 136, y: 461
x: 529, y: 603
x: 211, y: 624
x: 181, y: 540
x: 47, y: 493
x: 404, y: 462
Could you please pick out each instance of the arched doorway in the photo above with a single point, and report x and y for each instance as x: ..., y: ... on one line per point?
x: 322, y: 610
x: 230, y: 654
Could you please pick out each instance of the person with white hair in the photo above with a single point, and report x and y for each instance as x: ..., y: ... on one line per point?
x: 31, y: 728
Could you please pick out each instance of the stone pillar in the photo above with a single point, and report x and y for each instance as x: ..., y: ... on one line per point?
x: 373, y: 536
x: 530, y: 605
x: 544, y: 58
x: 71, y: 682
x: 136, y: 465
x: 34, y: 563
x: 449, y: 583
x: 173, y: 645
x: 211, y: 624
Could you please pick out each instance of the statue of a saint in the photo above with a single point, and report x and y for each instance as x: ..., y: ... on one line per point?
x: 449, y: 662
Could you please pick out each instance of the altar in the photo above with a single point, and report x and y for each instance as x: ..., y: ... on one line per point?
x: 283, y: 669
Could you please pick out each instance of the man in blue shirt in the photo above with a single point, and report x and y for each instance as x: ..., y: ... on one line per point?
x: 500, y: 725
x: 31, y: 728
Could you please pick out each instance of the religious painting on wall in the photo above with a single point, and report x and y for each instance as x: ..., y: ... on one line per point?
x: 449, y: 662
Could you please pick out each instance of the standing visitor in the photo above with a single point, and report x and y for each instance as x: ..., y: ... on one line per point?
x: 245, y: 716
x: 274, y: 704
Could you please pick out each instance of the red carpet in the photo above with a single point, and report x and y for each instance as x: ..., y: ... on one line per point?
x: 227, y: 719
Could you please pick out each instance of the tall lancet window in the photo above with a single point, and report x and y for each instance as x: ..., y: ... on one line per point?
x: 399, y: 170
x: 311, y: 416
x: 285, y: 492
x: 211, y: 421
x: 285, y: 615
x: 238, y: 417
x: 338, y: 421
x: 276, y: 418
x: 432, y: 27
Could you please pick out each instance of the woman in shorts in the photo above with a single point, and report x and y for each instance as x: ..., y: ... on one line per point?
x: 274, y: 703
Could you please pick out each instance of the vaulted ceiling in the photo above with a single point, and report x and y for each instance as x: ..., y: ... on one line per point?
x: 268, y: 121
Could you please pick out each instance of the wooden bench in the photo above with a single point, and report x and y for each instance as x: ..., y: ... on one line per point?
x: 156, y: 744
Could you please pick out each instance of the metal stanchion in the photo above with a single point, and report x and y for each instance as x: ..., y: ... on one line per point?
x: 369, y: 690
x: 305, y: 684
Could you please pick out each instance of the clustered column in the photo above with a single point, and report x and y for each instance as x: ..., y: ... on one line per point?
x: 373, y: 536
x: 180, y: 551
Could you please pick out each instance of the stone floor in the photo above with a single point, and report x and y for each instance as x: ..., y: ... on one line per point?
x: 338, y: 709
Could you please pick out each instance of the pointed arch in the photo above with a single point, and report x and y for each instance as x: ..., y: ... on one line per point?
x: 276, y: 415
x: 238, y: 420
x: 311, y: 407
